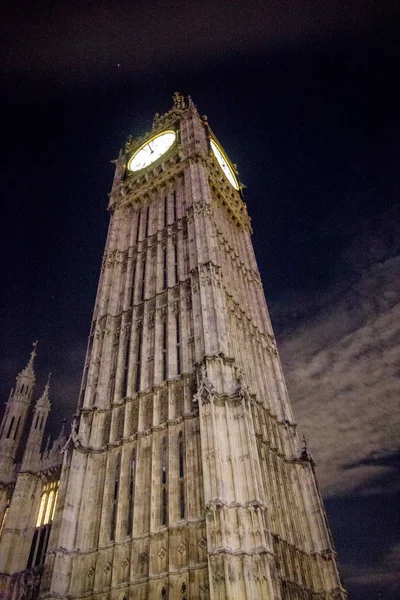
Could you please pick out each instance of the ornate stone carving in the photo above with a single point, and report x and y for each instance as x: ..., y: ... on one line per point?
x: 179, y: 101
x: 181, y: 548
x: 143, y: 559
x: 107, y: 568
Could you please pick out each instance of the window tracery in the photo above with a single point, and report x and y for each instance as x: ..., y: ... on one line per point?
x: 44, y: 519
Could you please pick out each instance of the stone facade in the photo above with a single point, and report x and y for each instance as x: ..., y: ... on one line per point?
x: 183, y: 476
x: 29, y: 477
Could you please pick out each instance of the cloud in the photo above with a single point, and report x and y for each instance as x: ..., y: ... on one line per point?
x: 342, y: 367
x: 385, y: 574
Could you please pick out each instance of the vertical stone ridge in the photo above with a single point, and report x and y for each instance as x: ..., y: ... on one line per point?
x: 184, y: 467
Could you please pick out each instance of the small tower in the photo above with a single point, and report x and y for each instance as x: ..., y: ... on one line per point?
x: 13, y: 423
x: 34, y: 442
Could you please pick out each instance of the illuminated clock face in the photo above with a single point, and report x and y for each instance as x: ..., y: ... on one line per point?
x: 224, y: 164
x: 151, y: 150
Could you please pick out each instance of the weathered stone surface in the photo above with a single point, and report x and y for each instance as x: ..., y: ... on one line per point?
x: 183, y: 476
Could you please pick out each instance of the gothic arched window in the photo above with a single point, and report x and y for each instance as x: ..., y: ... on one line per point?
x: 165, y: 278
x: 139, y: 355
x: 176, y: 271
x: 165, y: 211
x: 143, y: 277
x: 164, y: 461
x: 180, y: 449
x: 11, y: 426
x: 175, y: 211
x: 181, y: 477
x: 132, y: 490
x: 164, y: 593
x: 4, y: 517
x: 164, y: 496
x: 178, y: 347
x: 44, y: 520
x: 183, y: 591
x: 147, y: 222
x: 16, y: 429
x: 138, y: 227
x: 115, y: 497
x: 164, y: 350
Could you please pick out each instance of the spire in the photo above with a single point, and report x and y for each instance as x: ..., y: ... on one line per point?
x: 44, y: 399
x: 62, y: 431
x: 29, y: 371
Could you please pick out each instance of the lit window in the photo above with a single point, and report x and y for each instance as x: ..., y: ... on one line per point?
x: 45, y: 516
x: 49, y: 508
x: 3, y: 520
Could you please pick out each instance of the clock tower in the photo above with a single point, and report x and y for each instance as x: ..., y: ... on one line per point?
x: 183, y: 477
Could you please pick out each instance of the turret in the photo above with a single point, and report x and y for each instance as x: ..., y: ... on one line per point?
x: 13, y: 423
x: 34, y: 442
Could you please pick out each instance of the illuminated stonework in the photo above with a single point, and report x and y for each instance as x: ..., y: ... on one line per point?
x: 183, y: 477
x: 29, y: 481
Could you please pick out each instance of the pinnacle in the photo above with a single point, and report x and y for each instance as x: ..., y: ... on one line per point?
x: 29, y: 371
x: 44, y: 398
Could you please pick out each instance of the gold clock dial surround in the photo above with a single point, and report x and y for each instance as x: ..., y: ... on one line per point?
x: 151, y: 150
x: 224, y: 164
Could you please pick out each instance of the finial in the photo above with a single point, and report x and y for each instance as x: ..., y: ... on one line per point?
x: 44, y: 400
x: 33, y: 353
x: 28, y: 371
x: 156, y: 120
x: 47, y: 386
x: 305, y: 442
x: 62, y: 430
x: 179, y: 100
x: 191, y: 104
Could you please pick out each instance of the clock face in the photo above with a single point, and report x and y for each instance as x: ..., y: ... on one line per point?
x: 224, y: 164
x: 151, y: 150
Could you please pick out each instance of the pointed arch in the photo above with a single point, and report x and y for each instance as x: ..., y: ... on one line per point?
x: 10, y: 427
x: 164, y: 495
x: 132, y: 478
x: 183, y: 591
x: 115, y: 497
x: 17, y: 427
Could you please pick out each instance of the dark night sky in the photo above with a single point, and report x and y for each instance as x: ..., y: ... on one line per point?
x: 303, y: 96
